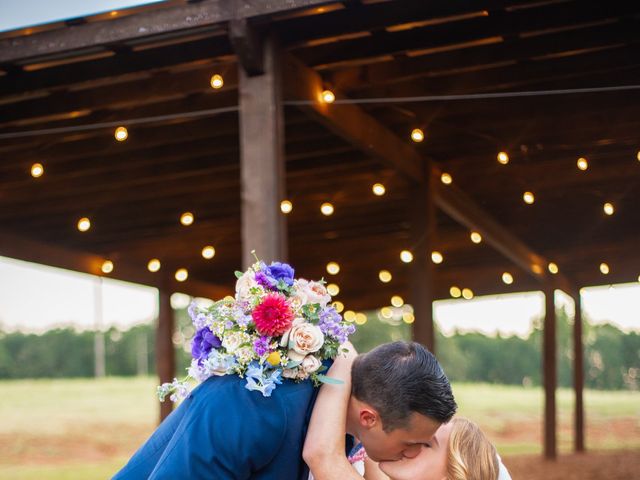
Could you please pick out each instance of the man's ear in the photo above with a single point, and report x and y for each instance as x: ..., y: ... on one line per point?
x: 369, y: 418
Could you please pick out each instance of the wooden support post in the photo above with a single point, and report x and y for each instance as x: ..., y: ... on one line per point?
x: 578, y: 375
x: 165, y: 353
x: 421, y: 282
x: 262, y: 160
x: 550, y: 375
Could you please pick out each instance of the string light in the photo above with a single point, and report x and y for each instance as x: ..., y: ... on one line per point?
x: 84, y: 224
x: 37, y: 170
x: 397, y: 301
x: 327, y: 209
x: 537, y: 269
x: 604, y: 268
x: 121, y: 134
x: 408, y: 318
x: 507, y: 278
x: 154, y: 265
x: 186, y: 219
x: 503, y: 158
x: 361, y: 318
x: 217, y: 81
x: 181, y: 274
x: 638, y: 155
x: 385, y: 276
x: 350, y: 316
x: 386, y: 312
x: 417, y: 135
x: 608, y: 208
x: 286, y: 206
x: 328, y: 96
x: 528, y: 198
x: 467, y: 293
x: 553, y: 268
x: 582, y: 163
x: 333, y: 289
x: 339, y: 306
x: 406, y: 256
x: 455, y: 292
x: 437, y: 258
x: 378, y: 189
x: 446, y: 178
x: 476, y: 237
x: 107, y: 266
x: 208, y: 252
x: 333, y: 268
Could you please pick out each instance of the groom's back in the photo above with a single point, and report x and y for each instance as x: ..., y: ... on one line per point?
x: 224, y: 431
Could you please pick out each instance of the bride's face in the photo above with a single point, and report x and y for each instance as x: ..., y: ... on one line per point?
x: 429, y: 464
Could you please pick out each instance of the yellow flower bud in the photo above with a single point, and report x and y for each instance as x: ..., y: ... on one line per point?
x: 274, y: 358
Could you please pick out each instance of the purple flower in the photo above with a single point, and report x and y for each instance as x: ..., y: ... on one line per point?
x: 331, y: 324
x: 261, y: 345
x: 270, y: 276
x: 265, y: 280
x: 203, y: 342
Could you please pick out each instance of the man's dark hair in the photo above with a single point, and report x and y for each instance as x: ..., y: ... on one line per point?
x: 401, y: 378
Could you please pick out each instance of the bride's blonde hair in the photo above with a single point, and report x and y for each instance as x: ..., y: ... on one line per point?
x: 470, y: 456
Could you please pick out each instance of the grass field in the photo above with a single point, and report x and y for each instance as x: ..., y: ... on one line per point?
x: 86, y: 429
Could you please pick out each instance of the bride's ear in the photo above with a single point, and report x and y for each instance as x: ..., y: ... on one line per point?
x: 368, y: 417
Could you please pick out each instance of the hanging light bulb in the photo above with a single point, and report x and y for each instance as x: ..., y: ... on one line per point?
x: 107, y: 266
x: 417, y: 135
x: 37, y: 170
x: 553, y: 268
x: 397, y: 301
x: 476, y: 237
x: 153, y: 265
x: 186, y: 218
x: 208, y: 252
x: 378, y: 189
x: 182, y: 274
x: 327, y: 209
x: 84, y: 224
x: 328, y: 96
x: 333, y: 289
x: 608, y: 208
x: 350, y: 316
x: 503, y: 158
x: 286, y: 206
x: 408, y: 318
x: 361, y: 319
x: 339, y: 306
x: 507, y: 278
x: 406, y: 256
x: 333, y: 268
x: 455, y: 292
x: 437, y: 258
x: 385, y: 276
x: 467, y: 293
x: 604, y: 268
x: 446, y: 178
x: 121, y: 134
x: 528, y: 198
x: 217, y: 81
x: 582, y: 163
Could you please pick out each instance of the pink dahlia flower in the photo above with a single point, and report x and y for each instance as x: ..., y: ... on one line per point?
x: 273, y: 316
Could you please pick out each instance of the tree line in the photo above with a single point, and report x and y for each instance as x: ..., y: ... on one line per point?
x: 612, y: 357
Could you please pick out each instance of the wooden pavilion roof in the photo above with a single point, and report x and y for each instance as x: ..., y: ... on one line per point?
x: 157, y: 61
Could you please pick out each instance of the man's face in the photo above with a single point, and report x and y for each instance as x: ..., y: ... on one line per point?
x: 399, y: 443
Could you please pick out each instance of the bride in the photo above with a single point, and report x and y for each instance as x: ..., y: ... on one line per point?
x: 458, y: 451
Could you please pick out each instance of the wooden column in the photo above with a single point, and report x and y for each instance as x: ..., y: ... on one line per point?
x: 549, y: 371
x: 578, y: 375
x: 262, y: 159
x: 421, y: 277
x: 165, y: 353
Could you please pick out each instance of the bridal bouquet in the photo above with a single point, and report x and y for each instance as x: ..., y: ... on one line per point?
x: 275, y: 327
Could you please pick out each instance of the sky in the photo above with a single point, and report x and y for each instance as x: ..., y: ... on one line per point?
x: 16, y: 14
x: 35, y: 298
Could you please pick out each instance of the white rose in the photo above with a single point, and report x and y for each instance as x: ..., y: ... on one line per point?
x: 231, y: 341
x: 311, y: 364
x: 304, y: 339
x: 285, y: 336
x: 290, y: 373
x: 312, y: 292
x: 244, y: 285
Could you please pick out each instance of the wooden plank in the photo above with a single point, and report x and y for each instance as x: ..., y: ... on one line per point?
x: 549, y: 366
x: 155, y: 23
x: 422, y: 280
x: 262, y: 163
x: 578, y: 375
x: 165, y: 351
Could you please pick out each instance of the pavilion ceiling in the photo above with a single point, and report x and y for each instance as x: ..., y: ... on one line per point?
x: 135, y: 191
